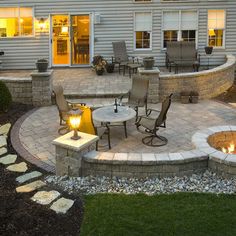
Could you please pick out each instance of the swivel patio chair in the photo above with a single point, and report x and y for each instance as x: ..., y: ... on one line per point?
x: 151, y: 125
x: 137, y: 96
x: 121, y: 57
x: 64, y: 107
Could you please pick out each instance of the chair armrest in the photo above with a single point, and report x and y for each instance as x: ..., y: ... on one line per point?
x: 75, y: 104
x: 149, y: 111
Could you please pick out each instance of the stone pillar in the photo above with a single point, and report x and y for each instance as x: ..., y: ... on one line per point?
x: 153, y: 77
x: 69, y: 153
x: 41, y: 88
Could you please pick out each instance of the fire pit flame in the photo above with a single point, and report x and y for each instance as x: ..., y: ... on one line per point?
x: 230, y: 149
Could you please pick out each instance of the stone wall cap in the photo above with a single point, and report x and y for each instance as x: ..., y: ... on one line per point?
x: 41, y: 74
x: 13, y: 79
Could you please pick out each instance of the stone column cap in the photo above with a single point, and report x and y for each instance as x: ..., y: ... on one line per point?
x: 42, y: 74
x: 85, y: 140
x: 154, y: 70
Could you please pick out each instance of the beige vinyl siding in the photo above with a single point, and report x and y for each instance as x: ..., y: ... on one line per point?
x: 116, y: 24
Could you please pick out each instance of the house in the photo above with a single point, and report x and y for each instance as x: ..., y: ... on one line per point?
x: 70, y: 32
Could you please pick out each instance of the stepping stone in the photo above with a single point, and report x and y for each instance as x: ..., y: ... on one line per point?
x: 62, y: 205
x: 3, y: 141
x: 3, y: 151
x: 4, y: 129
x: 30, y: 187
x: 23, y: 178
x: 8, y: 159
x: 44, y: 197
x: 21, y: 167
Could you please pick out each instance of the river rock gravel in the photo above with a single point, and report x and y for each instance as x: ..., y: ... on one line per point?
x: 207, y: 182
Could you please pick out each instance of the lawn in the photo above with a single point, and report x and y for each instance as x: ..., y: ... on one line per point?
x: 176, y: 214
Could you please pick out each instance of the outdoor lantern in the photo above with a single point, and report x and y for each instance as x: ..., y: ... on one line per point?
x: 42, y: 24
x: 74, y: 122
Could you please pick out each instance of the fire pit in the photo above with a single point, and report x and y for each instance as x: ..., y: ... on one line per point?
x: 219, y: 143
x: 224, y: 141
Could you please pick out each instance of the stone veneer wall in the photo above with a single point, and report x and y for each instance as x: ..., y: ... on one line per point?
x: 20, y: 89
x: 209, y: 83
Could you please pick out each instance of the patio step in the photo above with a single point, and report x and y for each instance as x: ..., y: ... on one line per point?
x: 92, y: 95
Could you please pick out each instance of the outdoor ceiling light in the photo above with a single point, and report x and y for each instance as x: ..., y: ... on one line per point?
x: 74, y: 122
x: 42, y: 23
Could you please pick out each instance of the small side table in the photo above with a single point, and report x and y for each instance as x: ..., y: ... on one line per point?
x: 133, y: 68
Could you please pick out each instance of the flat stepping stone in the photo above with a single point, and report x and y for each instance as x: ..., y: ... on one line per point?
x: 3, y: 151
x: 8, y: 159
x: 3, y: 141
x: 4, y: 129
x: 62, y: 205
x: 23, y: 178
x: 44, y: 197
x: 30, y: 187
x: 21, y: 167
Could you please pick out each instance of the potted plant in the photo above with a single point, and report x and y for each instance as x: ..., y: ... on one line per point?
x: 6, y: 98
x: 185, y: 96
x: 208, y: 50
x: 110, y: 67
x: 99, y: 64
x: 148, y: 63
x: 194, y: 96
x: 42, y: 65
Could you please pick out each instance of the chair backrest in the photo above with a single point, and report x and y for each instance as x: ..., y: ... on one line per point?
x: 120, y: 51
x: 61, y: 102
x: 173, y: 50
x: 164, y: 109
x: 189, y: 51
x: 139, y: 90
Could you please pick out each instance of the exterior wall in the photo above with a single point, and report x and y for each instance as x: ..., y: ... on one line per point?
x: 116, y: 24
x: 208, y: 83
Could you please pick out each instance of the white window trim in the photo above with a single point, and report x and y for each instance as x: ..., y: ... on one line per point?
x: 142, y: 2
x: 224, y: 30
x: 33, y: 22
x: 134, y: 33
x: 179, y: 30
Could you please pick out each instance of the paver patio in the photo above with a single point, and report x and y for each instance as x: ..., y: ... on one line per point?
x: 40, y: 128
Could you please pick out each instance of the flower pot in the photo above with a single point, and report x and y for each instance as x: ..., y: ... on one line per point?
x: 100, y: 71
x: 110, y: 67
x: 184, y: 99
x: 208, y: 50
x: 148, y: 63
x: 42, y: 66
x: 194, y: 99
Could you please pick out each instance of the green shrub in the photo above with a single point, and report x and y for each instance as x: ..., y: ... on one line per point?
x: 5, y: 97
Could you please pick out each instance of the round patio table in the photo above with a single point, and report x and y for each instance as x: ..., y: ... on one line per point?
x: 107, y: 115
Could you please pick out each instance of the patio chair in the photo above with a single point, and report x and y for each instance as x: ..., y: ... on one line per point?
x: 121, y: 57
x: 64, y: 107
x: 137, y: 96
x: 151, y: 125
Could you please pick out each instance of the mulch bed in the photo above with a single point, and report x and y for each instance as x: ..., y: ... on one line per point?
x: 21, y: 216
x: 228, y: 96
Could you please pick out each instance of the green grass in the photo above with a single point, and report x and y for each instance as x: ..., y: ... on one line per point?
x: 176, y: 214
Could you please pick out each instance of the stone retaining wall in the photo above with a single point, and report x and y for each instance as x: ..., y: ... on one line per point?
x: 20, y: 89
x: 209, y: 83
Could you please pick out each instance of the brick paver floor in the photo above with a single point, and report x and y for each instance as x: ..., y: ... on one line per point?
x: 40, y: 128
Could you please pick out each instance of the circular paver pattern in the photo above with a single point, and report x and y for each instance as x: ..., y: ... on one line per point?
x: 39, y: 129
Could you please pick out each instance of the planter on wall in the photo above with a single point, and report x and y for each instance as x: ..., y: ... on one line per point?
x: 42, y: 65
x: 208, y: 50
x: 148, y: 63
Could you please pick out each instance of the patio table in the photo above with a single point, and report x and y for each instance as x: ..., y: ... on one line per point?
x: 107, y: 115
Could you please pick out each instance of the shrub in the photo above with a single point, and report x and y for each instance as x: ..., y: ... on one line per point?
x: 5, y: 97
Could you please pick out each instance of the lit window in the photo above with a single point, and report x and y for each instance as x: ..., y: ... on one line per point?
x: 16, y: 22
x: 143, y: 30
x: 216, y: 28
x: 179, y: 25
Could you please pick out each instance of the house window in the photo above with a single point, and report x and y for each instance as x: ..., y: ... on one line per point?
x: 179, y: 25
x: 143, y: 30
x: 17, y: 21
x: 216, y: 28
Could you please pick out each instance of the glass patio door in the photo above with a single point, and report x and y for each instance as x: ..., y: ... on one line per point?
x: 80, y: 38
x: 60, y: 40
